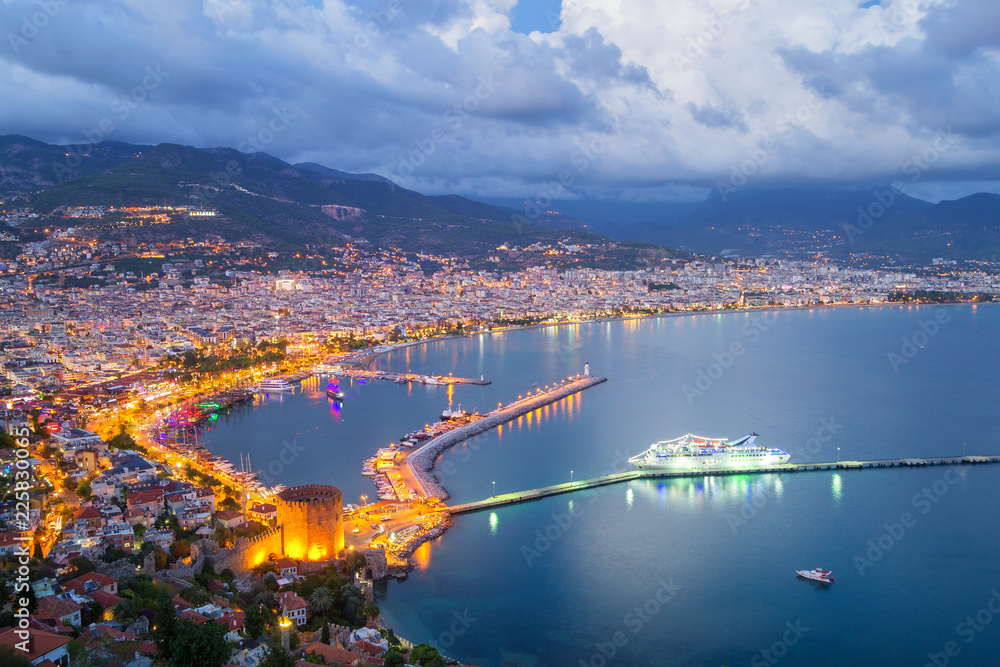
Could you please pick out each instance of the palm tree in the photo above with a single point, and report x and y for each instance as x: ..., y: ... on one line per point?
x: 371, y: 611
x: 321, y: 599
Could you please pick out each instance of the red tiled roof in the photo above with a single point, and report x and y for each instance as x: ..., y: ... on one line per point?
x: 368, y: 648
x: 78, y: 584
x: 193, y: 616
x: 50, y: 605
x: 105, y: 599
x: 9, y: 539
x: 232, y: 620
x: 332, y: 653
x: 142, y: 497
x: 42, y: 642
x: 291, y: 601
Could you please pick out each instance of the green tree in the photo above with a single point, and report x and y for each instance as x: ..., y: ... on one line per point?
x: 426, y: 655
x: 80, y: 565
x: 127, y: 611
x: 321, y: 599
x: 11, y: 657
x: 180, y: 548
x: 7, y: 441
x: 79, y: 655
x: 371, y: 611
x: 325, y: 635
x: 253, y: 621
x: 159, y: 558
x: 393, y: 658
x: 199, y: 645
x: 123, y: 439
x: 83, y: 490
x: 164, y: 629
x: 276, y: 656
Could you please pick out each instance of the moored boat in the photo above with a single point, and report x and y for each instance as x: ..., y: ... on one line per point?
x: 694, y: 452
x: 273, y: 385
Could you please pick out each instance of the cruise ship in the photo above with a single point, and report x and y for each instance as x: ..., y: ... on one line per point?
x: 273, y: 385
x: 692, y: 452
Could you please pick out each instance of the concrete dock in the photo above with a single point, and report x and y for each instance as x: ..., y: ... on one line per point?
x: 627, y: 476
x: 421, y: 461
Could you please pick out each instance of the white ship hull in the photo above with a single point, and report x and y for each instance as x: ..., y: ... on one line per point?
x: 691, y: 452
x: 276, y: 386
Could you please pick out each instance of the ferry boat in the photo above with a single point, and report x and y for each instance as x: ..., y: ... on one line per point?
x: 273, y: 385
x: 692, y: 452
x: 333, y: 391
x: 819, y: 574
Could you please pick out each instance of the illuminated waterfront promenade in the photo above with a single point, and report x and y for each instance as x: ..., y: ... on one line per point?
x: 628, y: 476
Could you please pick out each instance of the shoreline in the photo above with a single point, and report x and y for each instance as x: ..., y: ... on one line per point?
x: 369, y: 360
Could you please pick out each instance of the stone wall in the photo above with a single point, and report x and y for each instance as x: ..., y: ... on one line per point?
x: 248, y: 552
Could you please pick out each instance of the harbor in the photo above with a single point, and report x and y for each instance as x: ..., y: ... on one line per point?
x: 410, y: 496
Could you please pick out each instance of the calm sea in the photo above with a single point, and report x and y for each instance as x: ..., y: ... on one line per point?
x: 693, y: 571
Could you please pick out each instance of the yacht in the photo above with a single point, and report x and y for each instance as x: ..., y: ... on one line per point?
x: 273, y: 385
x: 819, y: 574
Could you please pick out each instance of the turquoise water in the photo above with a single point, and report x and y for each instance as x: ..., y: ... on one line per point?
x: 694, y: 571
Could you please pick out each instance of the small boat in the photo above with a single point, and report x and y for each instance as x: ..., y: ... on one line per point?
x: 819, y: 574
x: 333, y: 391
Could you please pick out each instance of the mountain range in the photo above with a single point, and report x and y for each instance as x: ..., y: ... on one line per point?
x: 263, y: 199
x: 839, y: 222
x: 260, y: 198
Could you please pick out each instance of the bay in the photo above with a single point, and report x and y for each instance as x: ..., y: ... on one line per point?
x: 552, y: 582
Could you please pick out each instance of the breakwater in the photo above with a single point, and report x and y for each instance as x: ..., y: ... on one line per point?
x: 627, y: 476
x: 421, y: 461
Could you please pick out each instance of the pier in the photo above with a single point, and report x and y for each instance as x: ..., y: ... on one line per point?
x: 421, y: 461
x: 628, y: 476
x: 411, y: 377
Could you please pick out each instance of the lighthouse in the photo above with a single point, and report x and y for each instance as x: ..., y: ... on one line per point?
x: 586, y: 370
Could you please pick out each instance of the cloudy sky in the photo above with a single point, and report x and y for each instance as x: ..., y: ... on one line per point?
x: 632, y: 99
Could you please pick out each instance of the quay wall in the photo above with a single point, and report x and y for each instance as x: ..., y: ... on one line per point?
x: 421, y: 461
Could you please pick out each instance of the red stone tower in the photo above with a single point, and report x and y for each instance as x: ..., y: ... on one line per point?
x: 311, y: 518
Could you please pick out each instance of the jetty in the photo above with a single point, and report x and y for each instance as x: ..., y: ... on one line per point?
x: 628, y: 476
x: 411, y: 377
x: 420, y: 462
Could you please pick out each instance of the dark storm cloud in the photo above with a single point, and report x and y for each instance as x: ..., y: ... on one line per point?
x: 369, y: 83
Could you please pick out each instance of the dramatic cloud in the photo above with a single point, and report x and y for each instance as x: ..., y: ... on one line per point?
x: 636, y: 98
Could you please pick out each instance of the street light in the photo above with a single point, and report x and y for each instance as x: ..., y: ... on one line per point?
x: 494, y: 489
x: 571, y: 477
x: 838, y: 454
